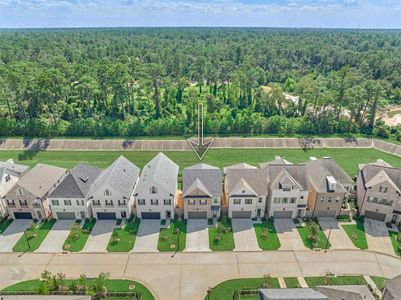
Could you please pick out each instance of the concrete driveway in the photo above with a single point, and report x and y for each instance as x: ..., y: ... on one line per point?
x: 12, y: 234
x: 377, y: 237
x: 244, y: 235
x: 288, y: 235
x: 100, y: 236
x: 55, y: 239
x: 338, y: 237
x: 197, y: 236
x: 147, y: 237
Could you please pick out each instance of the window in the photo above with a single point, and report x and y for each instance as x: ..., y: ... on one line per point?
x: 8, y: 178
x: 107, y: 193
x: 80, y: 203
x: 141, y: 201
x: 383, y: 189
x: 216, y: 200
x: 237, y: 201
x: 109, y: 202
x: 154, y: 201
x: 96, y: 202
x: 329, y: 199
x: 153, y: 190
x: 248, y: 201
x: 286, y: 188
x: 260, y: 200
x: 23, y: 203
x: 122, y: 202
x: 55, y: 202
x: 277, y: 200
x: 293, y: 200
x: 10, y: 202
x: 191, y: 202
x: 19, y: 192
x: 322, y: 199
x: 285, y: 200
x: 167, y: 201
x: 337, y: 199
x: 67, y: 202
x: 203, y: 202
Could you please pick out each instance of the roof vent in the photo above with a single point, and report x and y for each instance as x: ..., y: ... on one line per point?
x: 331, y: 183
x: 312, y: 158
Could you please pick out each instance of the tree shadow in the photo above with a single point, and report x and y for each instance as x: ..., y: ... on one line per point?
x: 308, y: 143
x: 32, y: 148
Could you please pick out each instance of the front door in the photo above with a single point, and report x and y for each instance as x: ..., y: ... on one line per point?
x: 168, y: 214
x: 299, y: 214
x: 39, y: 214
x: 394, y: 219
x: 214, y: 214
x: 123, y: 214
x: 258, y: 213
x: 83, y: 215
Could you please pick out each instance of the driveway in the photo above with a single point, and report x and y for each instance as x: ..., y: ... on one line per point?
x: 197, y: 236
x: 338, y: 237
x: 55, y: 239
x: 244, y: 235
x: 100, y: 236
x: 12, y: 234
x: 288, y: 235
x: 147, y: 237
x: 377, y: 237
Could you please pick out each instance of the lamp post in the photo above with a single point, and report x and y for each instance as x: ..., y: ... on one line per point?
x: 328, y: 238
x: 177, y: 231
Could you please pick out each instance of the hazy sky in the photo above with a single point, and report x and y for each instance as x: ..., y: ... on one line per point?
x: 266, y: 13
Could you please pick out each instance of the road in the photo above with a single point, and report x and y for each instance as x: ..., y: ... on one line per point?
x: 188, y: 275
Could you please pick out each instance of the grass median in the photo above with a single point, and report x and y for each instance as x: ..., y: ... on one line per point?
x: 221, y: 237
x: 79, y: 235
x: 173, y: 238
x: 267, y: 235
x: 123, y: 239
x: 313, y: 236
x: 356, y: 233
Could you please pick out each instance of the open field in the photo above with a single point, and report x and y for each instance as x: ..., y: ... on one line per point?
x: 348, y: 158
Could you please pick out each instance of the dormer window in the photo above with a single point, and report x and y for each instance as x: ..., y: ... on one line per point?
x: 331, y: 183
x: 153, y: 190
x: 19, y: 192
x: 107, y: 193
x: 7, y: 178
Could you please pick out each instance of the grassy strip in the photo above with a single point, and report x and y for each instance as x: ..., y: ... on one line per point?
x: 123, y: 239
x: 348, y: 158
x: 33, y: 237
x: 292, y: 282
x: 331, y: 280
x: 396, y: 241
x: 170, y: 240
x: 267, y: 235
x: 356, y: 233
x: 226, y: 289
x: 305, y: 233
x: 221, y: 237
x: 112, y: 285
x: 4, y: 224
x: 379, y: 281
x: 78, y: 236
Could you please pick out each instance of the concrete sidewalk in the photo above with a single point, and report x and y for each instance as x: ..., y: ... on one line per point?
x: 148, y: 236
x: 197, y: 236
x: 12, y: 234
x: 55, y: 239
x: 100, y: 236
x: 244, y: 235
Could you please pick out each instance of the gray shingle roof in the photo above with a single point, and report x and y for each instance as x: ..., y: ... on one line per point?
x: 393, y: 287
x: 78, y: 183
x: 276, y: 161
x: 337, y: 172
x: 255, y: 178
x: 298, y: 172
x: 239, y: 166
x: 369, y: 171
x: 209, y: 176
x: 162, y: 171
x: 318, y: 173
x: 121, y: 175
x: 348, y: 292
x: 291, y: 294
x: 14, y: 169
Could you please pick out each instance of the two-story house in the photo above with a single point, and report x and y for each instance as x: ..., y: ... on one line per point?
x: 245, y: 190
x: 155, y: 193
x: 10, y: 173
x: 379, y: 192
x: 329, y: 187
x: 288, y: 190
x: 69, y: 200
x: 111, y: 198
x: 27, y: 199
x: 202, y: 192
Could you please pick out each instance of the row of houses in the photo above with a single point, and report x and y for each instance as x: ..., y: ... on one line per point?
x: 278, y: 188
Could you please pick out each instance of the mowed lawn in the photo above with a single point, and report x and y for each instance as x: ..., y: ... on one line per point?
x: 267, y: 235
x: 356, y: 233
x: 221, y: 237
x: 4, y: 224
x: 348, y: 158
x: 305, y: 233
x: 396, y: 241
x: 78, y: 236
x: 123, y: 239
x: 172, y: 240
x: 331, y: 280
x: 33, y: 237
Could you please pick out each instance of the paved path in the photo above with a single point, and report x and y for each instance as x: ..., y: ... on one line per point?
x: 148, y: 236
x: 288, y: 235
x: 244, y: 235
x: 100, y: 236
x: 12, y: 234
x: 190, y: 274
x: 197, y: 236
x: 338, y: 237
x: 54, y: 241
x: 377, y: 237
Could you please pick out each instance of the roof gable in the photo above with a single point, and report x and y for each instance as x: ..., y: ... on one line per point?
x: 209, y: 176
x: 197, y: 189
x: 243, y: 188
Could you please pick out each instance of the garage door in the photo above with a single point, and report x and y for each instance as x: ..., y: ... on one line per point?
x: 106, y: 216
x: 23, y: 215
x: 197, y: 215
x: 65, y: 215
x: 242, y: 214
x: 326, y: 213
x: 286, y: 214
x: 375, y: 215
x: 150, y: 215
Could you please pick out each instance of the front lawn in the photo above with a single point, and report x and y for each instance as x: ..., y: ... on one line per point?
x: 4, y: 224
x: 33, y: 236
x: 331, y: 280
x: 396, y: 241
x: 123, y: 239
x: 356, y: 233
x: 379, y: 281
x: 79, y: 235
x: 221, y: 237
x: 112, y: 285
x: 267, y: 235
x: 313, y: 236
x: 226, y: 289
x: 170, y: 239
x: 292, y: 282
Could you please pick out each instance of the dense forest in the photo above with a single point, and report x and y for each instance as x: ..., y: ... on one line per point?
x: 142, y: 82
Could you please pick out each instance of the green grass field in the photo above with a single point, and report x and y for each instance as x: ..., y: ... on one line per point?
x: 304, y: 232
x: 356, y: 233
x: 169, y: 240
x: 221, y: 238
x: 292, y: 282
x: 78, y: 236
x: 267, y: 236
x: 347, y: 158
x: 395, y: 242
x: 331, y: 280
x: 35, y: 235
x: 126, y: 237
x: 379, y: 281
x: 4, y: 224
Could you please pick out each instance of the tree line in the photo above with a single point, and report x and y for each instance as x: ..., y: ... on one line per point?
x: 147, y: 82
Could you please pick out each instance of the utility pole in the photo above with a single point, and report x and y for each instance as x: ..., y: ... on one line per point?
x: 27, y: 240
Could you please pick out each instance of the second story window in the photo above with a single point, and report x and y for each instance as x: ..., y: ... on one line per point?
x: 10, y: 202
x: 248, y: 201
x: 55, y: 202
x: 203, y: 202
x: 153, y: 190
x: 107, y: 193
x: 260, y: 200
x: 121, y: 202
x: 383, y: 189
x: 96, y: 202
x: 191, y: 202
x: 23, y: 203
x: 80, y: 203
x: 154, y: 202
x: 237, y: 201
x: 141, y: 202
x: 276, y: 200
x: 293, y: 200
x: 67, y: 202
x: 8, y: 178
x: 109, y: 202
x: 167, y: 201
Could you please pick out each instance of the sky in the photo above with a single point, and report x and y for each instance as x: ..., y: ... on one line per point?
x: 232, y: 13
